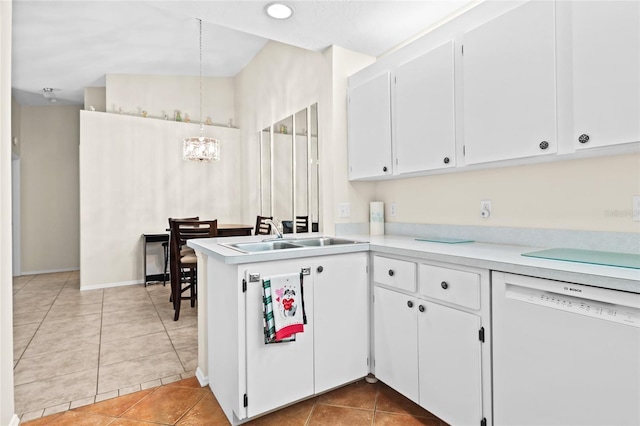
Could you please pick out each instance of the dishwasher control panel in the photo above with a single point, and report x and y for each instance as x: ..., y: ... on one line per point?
x: 606, y: 311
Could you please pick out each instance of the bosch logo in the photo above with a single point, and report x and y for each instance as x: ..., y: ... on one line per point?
x: 571, y: 289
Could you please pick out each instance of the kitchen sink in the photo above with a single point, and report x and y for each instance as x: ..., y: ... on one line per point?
x: 324, y: 241
x: 270, y: 245
x: 262, y: 246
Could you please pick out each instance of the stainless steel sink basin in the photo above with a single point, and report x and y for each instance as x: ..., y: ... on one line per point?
x: 324, y: 241
x: 302, y: 243
x: 262, y: 246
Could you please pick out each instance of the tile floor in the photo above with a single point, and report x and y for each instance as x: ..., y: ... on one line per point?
x: 73, y: 348
x: 116, y: 357
x: 186, y: 403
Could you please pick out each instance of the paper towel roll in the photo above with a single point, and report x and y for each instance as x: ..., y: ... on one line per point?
x: 376, y: 218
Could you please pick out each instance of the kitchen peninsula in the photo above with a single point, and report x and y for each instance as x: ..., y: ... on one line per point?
x: 345, y: 338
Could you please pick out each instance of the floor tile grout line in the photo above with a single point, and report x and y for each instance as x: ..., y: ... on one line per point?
x: 313, y: 408
x: 103, y: 296
x: 167, y: 331
x: 190, y: 408
x: 39, y: 325
x: 100, y: 347
x: 153, y: 390
x: 38, y: 328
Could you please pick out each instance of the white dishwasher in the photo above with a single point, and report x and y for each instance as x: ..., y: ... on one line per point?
x: 564, y: 354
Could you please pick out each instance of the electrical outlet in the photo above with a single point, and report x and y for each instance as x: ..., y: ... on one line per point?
x: 485, y: 209
x: 344, y: 210
x: 636, y: 208
x: 393, y: 209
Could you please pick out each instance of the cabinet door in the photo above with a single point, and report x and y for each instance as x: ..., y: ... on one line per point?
x: 369, y: 128
x: 606, y: 72
x: 277, y: 373
x: 424, y: 112
x: 450, y: 363
x: 341, y: 319
x: 509, y: 85
x: 396, y: 341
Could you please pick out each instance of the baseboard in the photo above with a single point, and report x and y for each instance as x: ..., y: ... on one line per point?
x: 110, y: 285
x: 48, y: 271
x: 202, y: 379
x: 15, y: 420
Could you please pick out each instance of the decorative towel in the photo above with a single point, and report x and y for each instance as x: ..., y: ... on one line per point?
x: 283, y: 306
x: 269, y: 325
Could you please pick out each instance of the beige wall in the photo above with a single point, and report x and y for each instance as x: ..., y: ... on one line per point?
x: 7, y: 415
x: 335, y: 185
x: 50, y: 231
x: 280, y: 81
x: 160, y: 95
x: 133, y: 178
x: 592, y: 194
x: 95, y: 97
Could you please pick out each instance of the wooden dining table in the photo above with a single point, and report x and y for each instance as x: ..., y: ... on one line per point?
x: 224, y: 230
x: 234, y: 230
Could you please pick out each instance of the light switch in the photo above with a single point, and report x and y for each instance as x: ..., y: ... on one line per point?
x: 393, y: 209
x: 636, y: 208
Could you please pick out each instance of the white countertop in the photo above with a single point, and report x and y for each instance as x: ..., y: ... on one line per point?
x: 498, y: 257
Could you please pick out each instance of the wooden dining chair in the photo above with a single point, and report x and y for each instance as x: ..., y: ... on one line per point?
x: 302, y: 224
x: 184, y: 263
x: 262, y: 228
x: 165, y: 247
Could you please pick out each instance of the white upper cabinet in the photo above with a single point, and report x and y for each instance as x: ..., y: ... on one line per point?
x: 509, y: 85
x: 424, y: 115
x: 369, y: 128
x: 606, y: 72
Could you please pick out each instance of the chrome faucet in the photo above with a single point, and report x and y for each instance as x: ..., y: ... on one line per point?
x: 275, y: 226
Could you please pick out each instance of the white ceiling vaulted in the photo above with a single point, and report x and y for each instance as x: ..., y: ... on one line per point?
x: 70, y: 45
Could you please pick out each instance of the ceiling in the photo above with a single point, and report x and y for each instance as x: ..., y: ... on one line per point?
x: 73, y: 44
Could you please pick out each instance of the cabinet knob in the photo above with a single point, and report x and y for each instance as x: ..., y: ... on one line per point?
x: 544, y: 145
x: 391, y: 272
x: 319, y: 269
x: 410, y: 303
x: 421, y: 308
x: 446, y: 160
x: 444, y: 285
x: 584, y: 138
x: 384, y: 169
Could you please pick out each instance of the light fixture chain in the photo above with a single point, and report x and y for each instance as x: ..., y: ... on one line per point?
x: 200, y: 20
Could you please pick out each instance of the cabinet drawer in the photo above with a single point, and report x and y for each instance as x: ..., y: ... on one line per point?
x: 396, y: 273
x: 450, y: 285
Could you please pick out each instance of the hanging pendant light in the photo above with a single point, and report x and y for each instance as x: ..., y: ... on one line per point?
x: 201, y: 148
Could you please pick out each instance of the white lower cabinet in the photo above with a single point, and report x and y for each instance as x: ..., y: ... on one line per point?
x: 341, y: 320
x: 450, y: 372
x: 332, y: 350
x: 433, y: 350
x: 396, y: 341
x: 277, y: 373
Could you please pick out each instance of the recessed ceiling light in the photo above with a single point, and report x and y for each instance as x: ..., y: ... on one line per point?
x: 279, y: 11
